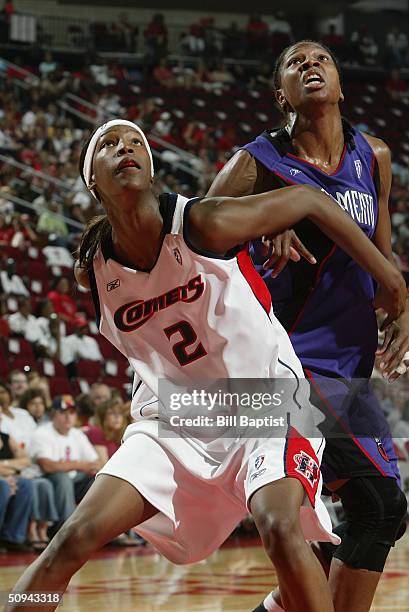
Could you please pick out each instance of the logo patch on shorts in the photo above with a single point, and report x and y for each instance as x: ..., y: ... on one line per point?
x: 307, y: 467
x: 257, y: 474
x: 259, y: 461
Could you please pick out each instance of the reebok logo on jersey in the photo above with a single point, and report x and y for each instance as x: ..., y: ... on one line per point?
x: 178, y: 256
x: 294, y: 171
x: 307, y: 467
x: 113, y: 284
x: 358, y: 167
x: 134, y: 314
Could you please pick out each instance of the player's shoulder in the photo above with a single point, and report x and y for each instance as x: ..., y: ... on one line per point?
x: 81, y: 275
x: 379, y: 147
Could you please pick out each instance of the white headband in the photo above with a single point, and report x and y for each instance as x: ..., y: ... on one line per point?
x: 87, y: 167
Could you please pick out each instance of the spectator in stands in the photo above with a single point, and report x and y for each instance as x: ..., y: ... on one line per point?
x: 16, y: 500
x: 220, y: 76
x: 50, y: 221
x: 47, y: 65
x: 129, y: 33
x: 46, y: 331
x: 18, y: 385
x: 193, y: 42
x: 78, y: 346
x: 99, y: 393
x: 24, y: 235
x: 163, y: 74
x: 6, y: 231
x: 35, y: 381
x: 15, y: 421
x: 65, y: 456
x: 43, y: 511
x: 20, y: 321
x: 63, y: 304
x: 257, y: 36
x: 156, y: 39
x: 11, y: 283
x: 396, y: 49
x: 34, y: 401
x: 109, y: 427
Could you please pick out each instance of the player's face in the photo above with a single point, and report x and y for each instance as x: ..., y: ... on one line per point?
x: 121, y: 162
x: 308, y: 76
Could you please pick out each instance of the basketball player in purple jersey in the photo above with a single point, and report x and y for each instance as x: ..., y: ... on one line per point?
x: 157, y: 266
x: 328, y: 308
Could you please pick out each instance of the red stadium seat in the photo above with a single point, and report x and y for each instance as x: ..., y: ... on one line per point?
x: 90, y: 370
x: 59, y: 386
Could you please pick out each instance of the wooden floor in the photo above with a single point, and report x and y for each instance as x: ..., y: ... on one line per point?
x: 234, y: 578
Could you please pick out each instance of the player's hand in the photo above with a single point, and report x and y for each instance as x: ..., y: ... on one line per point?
x: 392, y: 299
x: 395, y: 346
x: 283, y: 247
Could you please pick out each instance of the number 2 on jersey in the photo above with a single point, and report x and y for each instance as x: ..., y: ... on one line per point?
x: 189, y: 337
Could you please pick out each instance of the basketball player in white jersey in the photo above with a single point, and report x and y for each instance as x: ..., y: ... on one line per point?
x: 176, y: 293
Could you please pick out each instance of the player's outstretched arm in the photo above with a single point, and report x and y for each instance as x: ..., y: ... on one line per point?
x: 219, y: 224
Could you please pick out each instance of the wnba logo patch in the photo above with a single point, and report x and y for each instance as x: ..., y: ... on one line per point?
x: 259, y: 462
x: 358, y: 168
x: 307, y: 467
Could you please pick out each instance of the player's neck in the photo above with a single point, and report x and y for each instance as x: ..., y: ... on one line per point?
x: 137, y: 233
x: 319, y: 139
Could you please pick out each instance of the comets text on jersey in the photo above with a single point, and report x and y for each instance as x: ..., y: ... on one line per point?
x: 133, y: 315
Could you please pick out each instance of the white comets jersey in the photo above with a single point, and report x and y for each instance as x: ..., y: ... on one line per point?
x: 194, y: 316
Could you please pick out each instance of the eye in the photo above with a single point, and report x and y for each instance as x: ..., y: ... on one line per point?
x: 294, y: 60
x: 323, y: 57
x: 137, y: 141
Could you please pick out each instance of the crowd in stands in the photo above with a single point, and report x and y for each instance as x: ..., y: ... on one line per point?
x: 50, y: 451
x: 50, y: 350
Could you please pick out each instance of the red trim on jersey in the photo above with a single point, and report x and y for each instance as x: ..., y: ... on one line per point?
x: 317, y: 167
x: 320, y: 269
x: 285, y: 179
x: 301, y: 462
x: 257, y: 285
x: 325, y: 400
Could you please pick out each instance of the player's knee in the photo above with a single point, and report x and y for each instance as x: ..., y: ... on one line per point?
x: 375, y: 510
x: 278, y: 533
x: 73, y: 544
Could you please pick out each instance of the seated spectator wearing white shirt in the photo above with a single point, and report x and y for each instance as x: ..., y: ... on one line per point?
x: 79, y: 346
x: 65, y: 456
x: 11, y: 284
x: 46, y: 331
x: 16, y: 422
x: 21, y: 320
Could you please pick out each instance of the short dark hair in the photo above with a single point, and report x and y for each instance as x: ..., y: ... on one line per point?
x: 29, y: 395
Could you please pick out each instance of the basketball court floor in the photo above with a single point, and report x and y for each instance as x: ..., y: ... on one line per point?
x: 235, y: 578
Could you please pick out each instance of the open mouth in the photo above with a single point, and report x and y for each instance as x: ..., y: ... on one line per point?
x: 127, y: 163
x: 313, y: 80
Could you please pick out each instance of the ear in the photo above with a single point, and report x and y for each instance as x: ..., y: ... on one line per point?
x: 279, y: 94
x: 341, y: 96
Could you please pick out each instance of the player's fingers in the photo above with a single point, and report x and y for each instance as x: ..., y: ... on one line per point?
x: 387, y: 338
x: 397, y: 354
x: 285, y: 255
x: 271, y: 261
x: 294, y: 255
x: 302, y: 249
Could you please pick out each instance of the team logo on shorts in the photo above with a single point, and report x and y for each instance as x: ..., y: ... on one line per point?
x: 178, y: 256
x: 381, y: 449
x: 259, y: 462
x: 307, y: 467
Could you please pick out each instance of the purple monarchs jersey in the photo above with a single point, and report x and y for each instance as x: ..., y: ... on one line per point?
x: 326, y: 308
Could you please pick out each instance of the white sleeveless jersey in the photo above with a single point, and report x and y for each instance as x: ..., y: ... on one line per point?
x: 195, y: 316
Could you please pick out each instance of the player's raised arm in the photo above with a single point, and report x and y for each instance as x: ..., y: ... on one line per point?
x: 219, y: 224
